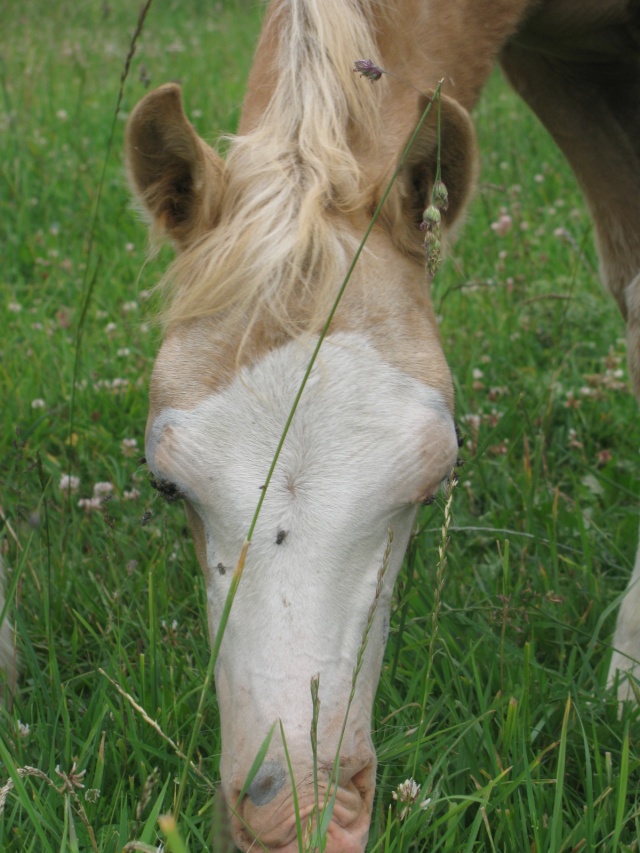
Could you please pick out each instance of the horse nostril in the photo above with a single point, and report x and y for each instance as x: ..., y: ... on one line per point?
x: 364, y: 780
x: 267, y: 783
x: 358, y: 776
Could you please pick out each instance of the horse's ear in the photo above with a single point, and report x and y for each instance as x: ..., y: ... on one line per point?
x: 411, y: 193
x: 175, y: 176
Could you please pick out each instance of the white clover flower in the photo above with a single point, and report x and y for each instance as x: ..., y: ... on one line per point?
x: 102, y: 489
x: 503, y: 225
x: 407, y: 792
x: 69, y: 483
x: 89, y: 504
x: 472, y: 421
x: 39, y: 403
x: 73, y: 779
x: 129, y: 446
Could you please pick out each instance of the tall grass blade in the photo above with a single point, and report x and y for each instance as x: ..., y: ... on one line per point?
x: 588, y: 783
x: 315, y: 706
x: 556, y: 819
x: 169, y: 829
x: 623, y: 781
x: 73, y: 836
x: 257, y: 763
x: 148, y: 832
x: 294, y: 791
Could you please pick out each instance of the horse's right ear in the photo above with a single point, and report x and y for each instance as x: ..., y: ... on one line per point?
x: 174, y: 174
x: 457, y: 152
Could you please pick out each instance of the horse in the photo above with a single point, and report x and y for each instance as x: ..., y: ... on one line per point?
x: 263, y: 239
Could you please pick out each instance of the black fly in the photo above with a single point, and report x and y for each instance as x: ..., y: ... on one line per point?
x: 169, y: 491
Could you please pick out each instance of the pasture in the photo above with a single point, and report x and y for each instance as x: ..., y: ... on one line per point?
x: 491, y: 696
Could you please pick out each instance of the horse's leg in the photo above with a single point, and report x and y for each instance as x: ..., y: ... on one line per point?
x: 7, y: 656
x: 593, y: 113
x: 626, y: 640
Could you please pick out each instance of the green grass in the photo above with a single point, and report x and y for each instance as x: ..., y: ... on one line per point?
x: 502, y: 718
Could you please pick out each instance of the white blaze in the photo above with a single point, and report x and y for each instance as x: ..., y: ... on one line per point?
x: 366, y: 444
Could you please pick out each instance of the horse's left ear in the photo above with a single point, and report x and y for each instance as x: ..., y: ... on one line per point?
x: 175, y: 175
x: 411, y: 193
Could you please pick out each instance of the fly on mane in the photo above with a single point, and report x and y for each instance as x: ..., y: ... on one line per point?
x: 275, y: 253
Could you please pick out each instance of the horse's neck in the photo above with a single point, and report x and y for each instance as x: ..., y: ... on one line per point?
x: 456, y: 41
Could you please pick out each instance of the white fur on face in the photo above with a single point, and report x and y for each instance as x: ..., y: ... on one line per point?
x: 366, y: 444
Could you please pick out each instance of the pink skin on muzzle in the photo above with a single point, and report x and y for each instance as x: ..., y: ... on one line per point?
x: 273, y: 823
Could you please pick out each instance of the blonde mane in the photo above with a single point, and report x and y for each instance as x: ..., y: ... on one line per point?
x: 276, y: 253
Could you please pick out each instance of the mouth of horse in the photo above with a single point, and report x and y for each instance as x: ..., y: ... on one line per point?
x: 274, y: 825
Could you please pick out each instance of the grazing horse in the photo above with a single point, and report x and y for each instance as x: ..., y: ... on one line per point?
x: 263, y: 241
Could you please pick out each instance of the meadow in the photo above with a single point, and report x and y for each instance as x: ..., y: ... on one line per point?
x: 492, y: 696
